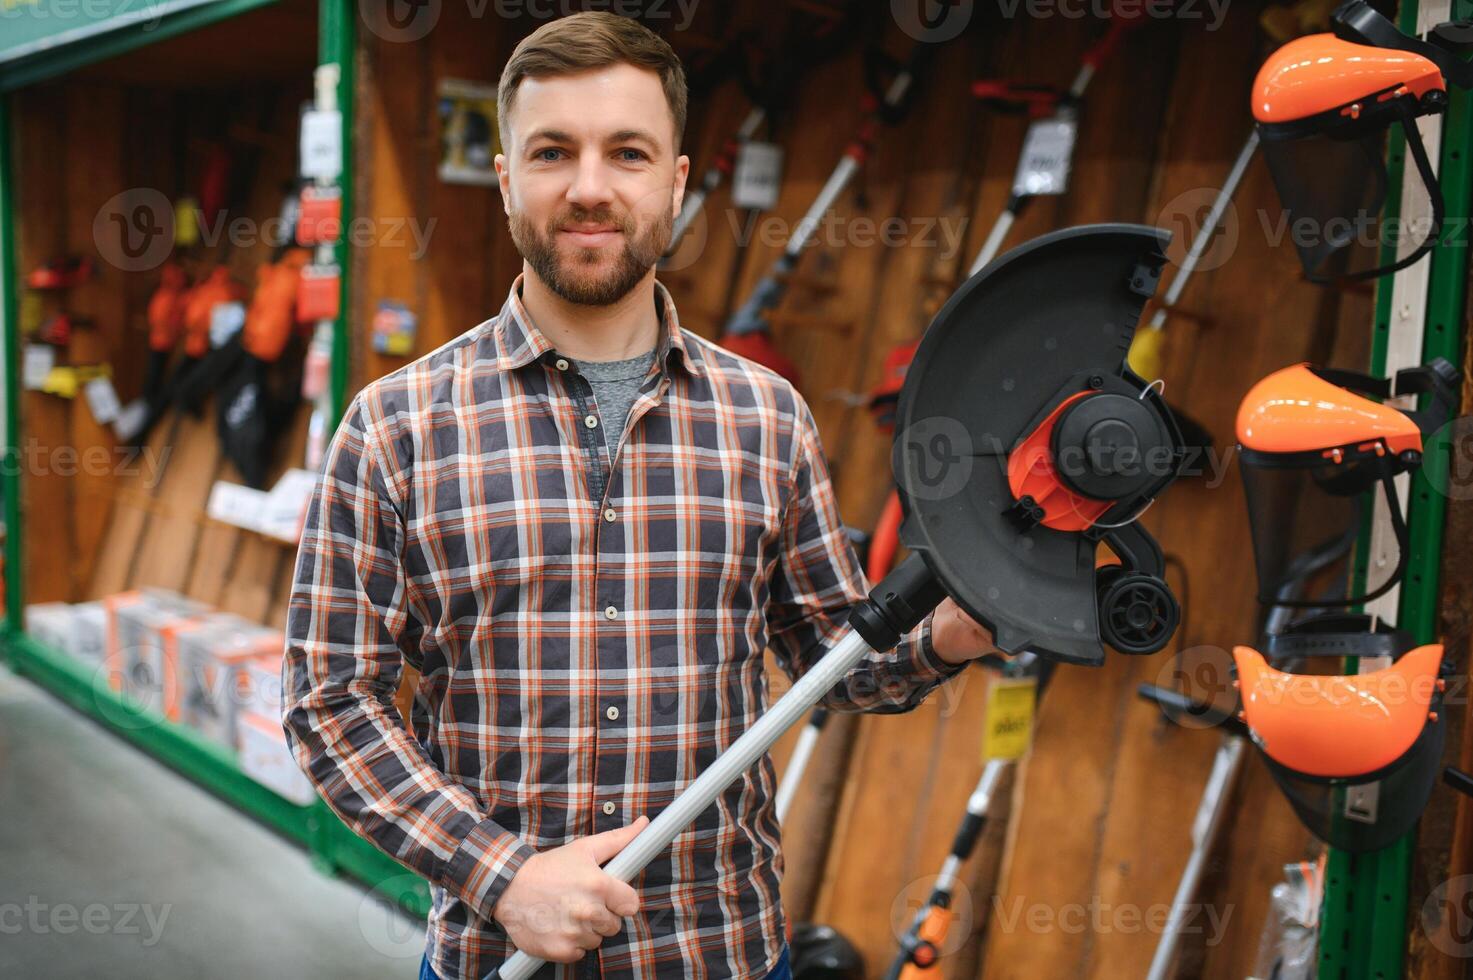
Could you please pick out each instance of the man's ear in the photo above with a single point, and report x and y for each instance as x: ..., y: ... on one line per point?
x: 503, y: 180
x: 682, y: 173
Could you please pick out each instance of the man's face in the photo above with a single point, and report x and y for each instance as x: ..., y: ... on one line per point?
x: 590, y: 180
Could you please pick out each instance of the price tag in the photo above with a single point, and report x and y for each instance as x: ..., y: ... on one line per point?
x: 1009, y: 718
x: 40, y: 359
x: 232, y: 503
x: 1043, y: 167
x: 322, y: 144
x: 102, y: 399
x: 130, y: 420
x: 758, y: 175
x: 285, y: 506
x: 226, y: 319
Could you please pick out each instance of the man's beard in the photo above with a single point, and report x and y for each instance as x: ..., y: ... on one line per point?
x: 575, y: 280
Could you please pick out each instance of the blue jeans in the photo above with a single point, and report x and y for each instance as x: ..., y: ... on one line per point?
x: 783, y: 970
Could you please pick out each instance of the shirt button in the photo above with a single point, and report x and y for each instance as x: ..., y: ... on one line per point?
x: 613, y: 713
x: 609, y: 808
x: 591, y: 421
x: 609, y: 514
x: 611, y: 613
x: 561, y: 363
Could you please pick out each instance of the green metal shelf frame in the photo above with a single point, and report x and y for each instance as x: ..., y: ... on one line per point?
x: 1365, y: 914
x: 66, y: 58
x: 333, y: 847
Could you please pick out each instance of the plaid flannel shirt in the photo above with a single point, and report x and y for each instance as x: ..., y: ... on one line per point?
x: 589, y: 631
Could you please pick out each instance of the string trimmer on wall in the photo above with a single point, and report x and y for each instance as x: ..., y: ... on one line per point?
x: 924, y: 941
x: 1023, y: 443
x: 1046, y: 158
x: 769, y: 82
x: 747, y: 332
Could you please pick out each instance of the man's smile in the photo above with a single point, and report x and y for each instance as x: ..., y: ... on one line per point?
x: 590, y: 236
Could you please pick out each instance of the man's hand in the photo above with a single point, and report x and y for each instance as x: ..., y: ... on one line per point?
x: 560, y: 903
x: 957, y: 637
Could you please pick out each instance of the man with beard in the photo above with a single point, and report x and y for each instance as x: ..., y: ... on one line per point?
x: 583, y: 525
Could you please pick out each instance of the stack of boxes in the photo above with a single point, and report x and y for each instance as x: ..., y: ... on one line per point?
x: 172, y: 657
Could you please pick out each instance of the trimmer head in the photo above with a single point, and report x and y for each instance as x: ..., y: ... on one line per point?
x: 1023, y: 440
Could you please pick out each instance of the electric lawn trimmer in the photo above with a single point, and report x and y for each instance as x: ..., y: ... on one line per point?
x: 1023, y: 441
x: 747, y: 331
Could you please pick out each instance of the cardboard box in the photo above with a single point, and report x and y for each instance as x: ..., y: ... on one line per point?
x: 137, y: 624
x: 78, y: 629
x: 49, y: 623
x: 209, y: 657
x: 89, y: 632
x: 263, y: 678
x: 266, y: 758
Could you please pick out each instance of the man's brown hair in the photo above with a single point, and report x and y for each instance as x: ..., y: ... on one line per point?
x: 586, y: 41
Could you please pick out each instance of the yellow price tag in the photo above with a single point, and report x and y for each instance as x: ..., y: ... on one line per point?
x: 1008, y: 728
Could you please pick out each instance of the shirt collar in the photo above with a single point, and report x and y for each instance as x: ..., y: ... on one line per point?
x: 519, y: 342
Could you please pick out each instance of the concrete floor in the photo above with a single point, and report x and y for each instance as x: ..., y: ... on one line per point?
x: 113, y: 865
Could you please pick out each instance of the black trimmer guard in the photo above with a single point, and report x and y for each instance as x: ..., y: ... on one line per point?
x: 1040, y: 325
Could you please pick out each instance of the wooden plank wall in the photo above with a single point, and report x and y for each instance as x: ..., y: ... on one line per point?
x: 1101, y: 811
x: 139, y: 520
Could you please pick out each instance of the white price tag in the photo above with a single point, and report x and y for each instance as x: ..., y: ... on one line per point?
x: 231, y: 503
x: 102, y: 398
x: 226, y: 319
x: 286, y: 504
x: 1043, y: 167
x: 322, y: 144
x: 39, y: 360
x: 130, y: 420
x: 758, y: 176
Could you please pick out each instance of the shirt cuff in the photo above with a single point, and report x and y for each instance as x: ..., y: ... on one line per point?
x: 484, y: 864
x: 928, y: 663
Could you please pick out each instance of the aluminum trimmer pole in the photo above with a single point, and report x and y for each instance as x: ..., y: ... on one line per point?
x: 727, y: 768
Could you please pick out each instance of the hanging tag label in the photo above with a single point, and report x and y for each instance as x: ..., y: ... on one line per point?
x: 1043, y: 167
x: 131, y: 419
x: 322, y: 145
x: 1009, y: 719
x: 102, y: 398
x: 758, y: 176
x: 226, y: 319
x: 40, y: 359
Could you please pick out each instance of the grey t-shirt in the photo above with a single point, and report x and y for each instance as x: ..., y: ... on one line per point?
x: 615, y: 387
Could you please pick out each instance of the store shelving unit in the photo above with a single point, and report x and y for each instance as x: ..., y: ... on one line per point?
x: 34, y: 54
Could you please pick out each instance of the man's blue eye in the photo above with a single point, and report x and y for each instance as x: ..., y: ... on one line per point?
x: 548, y: 154
x: 632, y: 155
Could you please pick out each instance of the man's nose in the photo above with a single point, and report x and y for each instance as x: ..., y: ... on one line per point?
x: 591, y: 187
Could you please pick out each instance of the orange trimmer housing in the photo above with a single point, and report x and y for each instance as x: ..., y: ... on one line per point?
x: 217, y: 287
x: 272, y: 315
x: 1031, y: 473
x: 166, y: 309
